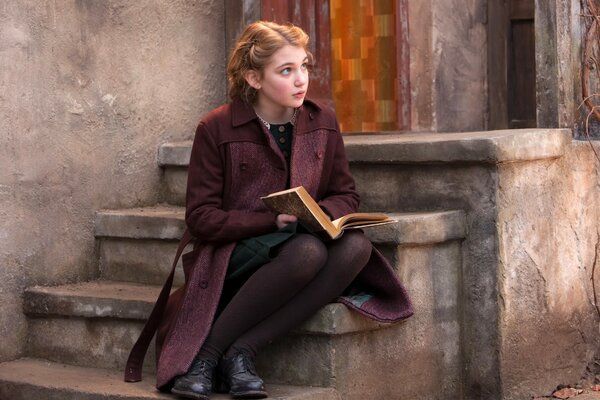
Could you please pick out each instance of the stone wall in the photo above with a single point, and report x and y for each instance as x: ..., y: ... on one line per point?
x: 559, y: 31
x: 88, y: 89
x: 448, y: 65
x: 547, y: 232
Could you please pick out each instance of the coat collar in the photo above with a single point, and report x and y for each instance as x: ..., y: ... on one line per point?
x: 242, y: 112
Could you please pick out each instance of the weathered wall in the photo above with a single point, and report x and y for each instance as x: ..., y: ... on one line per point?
x: 88, y: 89
x: 448, y: 65
x: 547, y: 231
x: 559, y: 27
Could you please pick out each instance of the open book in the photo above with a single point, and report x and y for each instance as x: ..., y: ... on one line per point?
x: 298, y: 202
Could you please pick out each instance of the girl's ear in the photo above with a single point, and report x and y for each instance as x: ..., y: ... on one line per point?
x: 253, y: 79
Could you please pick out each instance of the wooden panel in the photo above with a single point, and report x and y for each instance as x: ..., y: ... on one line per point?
x: 522, y: 9
x: 238, y: 14
x: 521, y: 75
x: 403, y: 65
x: 511, y: 64
x: 313, y: 17
x: 364, y: 64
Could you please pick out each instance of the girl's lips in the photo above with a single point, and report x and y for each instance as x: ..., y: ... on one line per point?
x: 299, y: 94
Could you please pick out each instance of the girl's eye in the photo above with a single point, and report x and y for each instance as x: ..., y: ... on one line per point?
x: 304, y: 66
x: 286, y: 71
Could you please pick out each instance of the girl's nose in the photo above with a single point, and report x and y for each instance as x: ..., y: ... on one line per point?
x: 301, y: 78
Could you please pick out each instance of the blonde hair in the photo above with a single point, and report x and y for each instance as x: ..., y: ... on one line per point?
x: 253, y: 50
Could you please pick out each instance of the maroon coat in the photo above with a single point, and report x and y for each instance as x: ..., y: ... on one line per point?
x: 234, y: 162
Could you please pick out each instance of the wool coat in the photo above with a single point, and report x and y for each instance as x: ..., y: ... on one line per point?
x: 234, y: 162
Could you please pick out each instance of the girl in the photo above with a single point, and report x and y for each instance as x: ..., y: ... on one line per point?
x: 254, y: 275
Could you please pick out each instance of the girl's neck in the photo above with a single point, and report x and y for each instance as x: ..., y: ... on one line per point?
x: 276, y: 117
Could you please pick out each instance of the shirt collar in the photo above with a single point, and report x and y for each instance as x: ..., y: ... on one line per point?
x: 243, y: 112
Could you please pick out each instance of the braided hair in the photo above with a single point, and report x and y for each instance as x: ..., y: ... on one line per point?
x: 253, y: 51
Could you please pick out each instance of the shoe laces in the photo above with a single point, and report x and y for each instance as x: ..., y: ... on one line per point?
x: 247, y: 363
x: 201, y: 367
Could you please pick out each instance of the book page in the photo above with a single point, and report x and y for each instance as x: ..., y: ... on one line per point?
x: 363, y: 219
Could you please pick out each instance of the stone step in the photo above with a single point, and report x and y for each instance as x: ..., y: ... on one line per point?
x: 96, y: 323
x: 424, y: 247
x: 139, y: 244
x: 489, y: 147
x: 27, y: 379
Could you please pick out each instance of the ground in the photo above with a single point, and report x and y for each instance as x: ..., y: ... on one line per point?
x: 587, y: 389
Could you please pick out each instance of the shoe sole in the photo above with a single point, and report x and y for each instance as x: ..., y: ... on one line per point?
x: 255, y: 394
x: 189, y: 395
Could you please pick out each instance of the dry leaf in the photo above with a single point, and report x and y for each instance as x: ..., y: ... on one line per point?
x: 566, y: 393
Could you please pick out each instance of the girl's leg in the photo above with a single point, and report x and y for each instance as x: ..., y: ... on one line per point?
x: 274, y: 284
x: 346, y: 258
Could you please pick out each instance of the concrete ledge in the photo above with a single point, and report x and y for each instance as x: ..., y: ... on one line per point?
x: 92, y: 300
x: 420, y: 228
x: 168, y: 223
x: 483, y: 147
x: 176, y: 154
x: 123, y: 300
x: 141, y: 223
x: 27, y: 379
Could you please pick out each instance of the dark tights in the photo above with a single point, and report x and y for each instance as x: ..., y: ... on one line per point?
x: 305, y: 275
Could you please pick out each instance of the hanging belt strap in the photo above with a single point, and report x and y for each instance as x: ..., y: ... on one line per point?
x: 133, y: 368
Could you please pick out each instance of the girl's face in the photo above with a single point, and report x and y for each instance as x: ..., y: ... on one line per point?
x: 283, y: 82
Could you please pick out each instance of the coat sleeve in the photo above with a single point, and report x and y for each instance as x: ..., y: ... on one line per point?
x: 205, y: 217
x: 340, y: 196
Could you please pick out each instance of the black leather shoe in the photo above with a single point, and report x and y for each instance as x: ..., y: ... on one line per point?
x: 238, y: 374
x: 197, y: 382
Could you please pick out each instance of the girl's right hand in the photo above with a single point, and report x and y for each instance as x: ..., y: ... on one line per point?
x: 285, y: 219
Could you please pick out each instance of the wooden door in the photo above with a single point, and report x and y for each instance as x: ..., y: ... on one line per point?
x: 521, y: 65
x: 511, y: 64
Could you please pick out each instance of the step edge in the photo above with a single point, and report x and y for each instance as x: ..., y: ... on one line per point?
x: 120, y: 224
x: 488, y: 147
x: 114, y: 382
x: 52, y: 302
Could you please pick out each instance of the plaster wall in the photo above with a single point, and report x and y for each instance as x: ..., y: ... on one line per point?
x: 448, y: 65
x: 547, y: 231
x: 88, y: 90
x: 560, y: 27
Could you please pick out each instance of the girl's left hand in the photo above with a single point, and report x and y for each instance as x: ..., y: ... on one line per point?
x: 285, y: 219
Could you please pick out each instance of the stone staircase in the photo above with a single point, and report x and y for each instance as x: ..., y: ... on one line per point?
x: 80, y: 334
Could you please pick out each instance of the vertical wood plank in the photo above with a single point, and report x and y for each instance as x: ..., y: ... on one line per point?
x: 403, y: 65
x: 238, y: 14
x: 313, y: 17
x: 497, y: 59
x: 521, y: 65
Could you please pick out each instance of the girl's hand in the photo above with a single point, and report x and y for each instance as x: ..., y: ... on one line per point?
x: 285, y: 219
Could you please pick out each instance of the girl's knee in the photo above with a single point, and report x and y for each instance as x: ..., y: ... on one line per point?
x: 357, y: 244
x: 309, y: 254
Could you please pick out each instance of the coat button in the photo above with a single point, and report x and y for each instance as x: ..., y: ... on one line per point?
x: 311, y: 116
x: 203, y: 284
